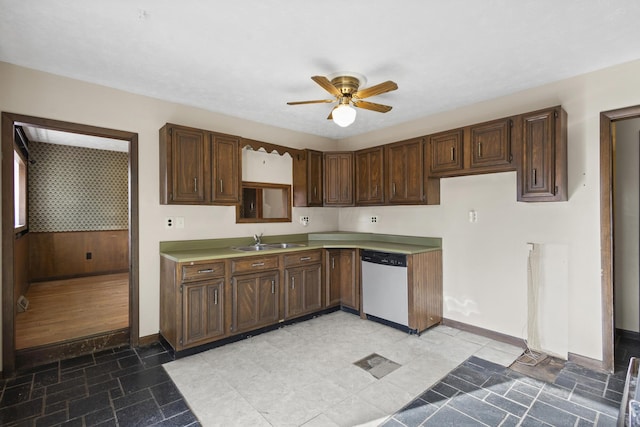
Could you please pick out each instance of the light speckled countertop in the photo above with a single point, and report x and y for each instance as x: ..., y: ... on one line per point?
x: 202, y: 250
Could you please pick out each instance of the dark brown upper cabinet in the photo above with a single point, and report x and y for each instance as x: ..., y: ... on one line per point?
x: 370, y: 176
x: 307, y: 178
x: 490, y: 145
x: 225, y: 158
x: 198, y: 167
x: 404, y: 172
x: 542, y: 176
x: 338, y: 179
x: 446, y: 153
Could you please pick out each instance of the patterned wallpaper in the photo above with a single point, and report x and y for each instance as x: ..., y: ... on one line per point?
x: 77, y: 189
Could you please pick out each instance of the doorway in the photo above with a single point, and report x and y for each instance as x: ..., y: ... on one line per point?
x: 13, y: 250
x: 607, y: 158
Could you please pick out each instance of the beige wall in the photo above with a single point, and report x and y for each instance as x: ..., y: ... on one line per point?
x: 484, y: 263
x: 485, y: 275
x: 627, y: 232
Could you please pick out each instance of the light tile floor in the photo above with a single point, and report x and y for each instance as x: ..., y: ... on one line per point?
x: 304, y: 374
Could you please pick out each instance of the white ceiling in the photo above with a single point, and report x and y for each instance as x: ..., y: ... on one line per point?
x: 248, y: 58
x: 51, y: 136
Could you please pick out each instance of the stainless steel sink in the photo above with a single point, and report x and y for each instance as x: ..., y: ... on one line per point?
x: 267, y: 247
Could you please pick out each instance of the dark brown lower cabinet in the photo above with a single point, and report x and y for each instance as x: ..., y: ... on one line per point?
x: 342, y: 278
x: 203, y: 311
x: 255, y: 300
x: 303, y: 290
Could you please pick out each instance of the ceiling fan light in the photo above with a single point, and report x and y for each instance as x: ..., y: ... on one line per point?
x: 344, y: 115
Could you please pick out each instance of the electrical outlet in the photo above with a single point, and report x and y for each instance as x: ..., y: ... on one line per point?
x: 304, y: 220
x: 169, y: 222
x: 374, y: 219
x: 179, y: 222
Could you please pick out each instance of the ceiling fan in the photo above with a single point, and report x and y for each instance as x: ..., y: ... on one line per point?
x: 344, y: 86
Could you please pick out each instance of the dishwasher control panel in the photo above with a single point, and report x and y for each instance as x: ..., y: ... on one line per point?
x: 384, y: 258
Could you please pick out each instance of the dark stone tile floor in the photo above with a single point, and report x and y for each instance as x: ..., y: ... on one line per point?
x: 121, y: 387
x: 481, y: 393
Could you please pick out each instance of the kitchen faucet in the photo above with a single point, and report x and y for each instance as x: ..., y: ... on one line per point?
x: 257, y: 240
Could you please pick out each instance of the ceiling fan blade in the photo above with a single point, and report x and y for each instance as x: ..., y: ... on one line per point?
x: 378, y: 89
x: 330, y: 117
x: 326, y: 85
x: 372, y: 106
x: 318, y: 101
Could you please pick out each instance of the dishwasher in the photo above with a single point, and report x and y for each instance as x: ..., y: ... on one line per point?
x: 385, y: 291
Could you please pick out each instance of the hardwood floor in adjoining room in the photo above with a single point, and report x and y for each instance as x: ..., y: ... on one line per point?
x: 61, y: 310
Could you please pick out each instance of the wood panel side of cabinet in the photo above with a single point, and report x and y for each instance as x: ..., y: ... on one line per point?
x: 170, y: 301
x: 425, y: 289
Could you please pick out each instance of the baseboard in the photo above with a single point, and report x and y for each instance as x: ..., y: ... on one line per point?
x: 497, y: 336
x: 148, y: 340
x: 42, y: 355
x: 587, y: 362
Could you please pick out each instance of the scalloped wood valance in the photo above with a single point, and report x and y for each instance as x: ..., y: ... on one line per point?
x: 270, y: 148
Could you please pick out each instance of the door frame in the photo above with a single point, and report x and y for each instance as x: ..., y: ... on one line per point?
x: 9, y: 120
x: 607, y: 156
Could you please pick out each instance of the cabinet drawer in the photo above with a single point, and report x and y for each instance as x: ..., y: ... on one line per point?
x: 202, y: 271
x: 249, y: 264
x: 302, y: 258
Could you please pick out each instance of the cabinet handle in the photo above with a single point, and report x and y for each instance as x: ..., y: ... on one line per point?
x: 273, y: 286
x: 375, y: 190
x: 293, y: 283
x: 535, y: 177
x: 453, y: 153
x: 393, y: 190
x: 305, y: 258
x: 195, y: 184
x: 221, y: 187
x: 208, y: 270
x: 333, y: 263
x: 479, y: 149
x: 257, y: 264
x: 215, y: 297
x: 315, y: 191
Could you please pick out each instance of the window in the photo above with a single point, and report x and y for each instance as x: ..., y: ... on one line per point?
x: 19, y: 191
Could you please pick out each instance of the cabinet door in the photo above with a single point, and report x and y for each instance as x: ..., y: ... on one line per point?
x: 314, y: 178
x: 491, y: 145
x: 405, y: 172
x: 255, y: 300
x: 543, y: 156
x: 187, y: 166
x: 333, y: 278
x: 349, y: 293
x: 225, y: 182
x: 446, y: 152
x: 203, y: 311
x: 293, y: 292
x: 338, y: 179
x: 369, y: 176
x: 303, y: 290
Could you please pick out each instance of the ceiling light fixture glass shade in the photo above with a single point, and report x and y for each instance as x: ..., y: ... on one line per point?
x: 344, y: 115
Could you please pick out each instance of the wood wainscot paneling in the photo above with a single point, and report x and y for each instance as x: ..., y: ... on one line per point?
x: 78, y: 253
